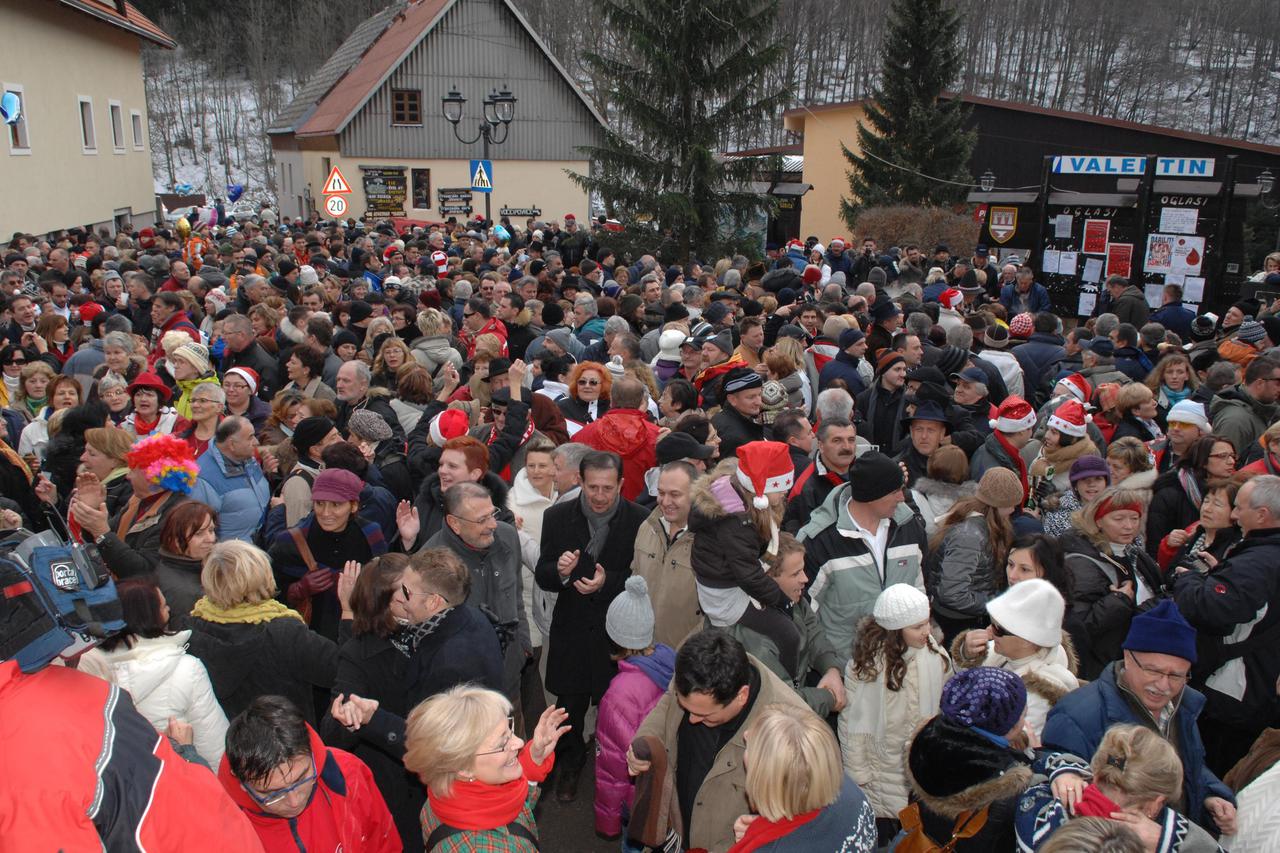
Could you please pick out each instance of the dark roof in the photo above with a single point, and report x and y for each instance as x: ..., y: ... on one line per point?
x: 1017, y: 106
x: 125, y: 16
x: 334, y: 69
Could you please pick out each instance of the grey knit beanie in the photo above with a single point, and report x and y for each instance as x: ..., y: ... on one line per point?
x: 629, y: 621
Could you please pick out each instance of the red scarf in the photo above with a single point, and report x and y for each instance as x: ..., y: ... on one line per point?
x: 476, y: 806
x: 1094, y: 803
x: 762, y: 831
x: 505, y: 474
x: 717, y: 370
x: 1017, y: 460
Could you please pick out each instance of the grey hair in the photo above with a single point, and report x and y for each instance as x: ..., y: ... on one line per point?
x: 363, y: 373
x: 866, y: 290
x: 251, y: 280
x: 1105, y: 324
x: 119, y: 340
x: 117, y: 323
x: 960, y: 336
x: 1266, y: 494
x: 238, y: 322
x: 919, y: 324
x: 913, y: 290
x: 571, y: 454
x: 229, y: 427
x: 834, y: 403
x: 1152, y: 334
x: 462, y: 290
x: 459, y: 493
x: 111, y: 380
x: 588, y: 304
x: 616, y: 325
x: 211, y: 390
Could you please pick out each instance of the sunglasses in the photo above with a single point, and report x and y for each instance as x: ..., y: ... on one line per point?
x: 590, y: 382
x: 999, y: 630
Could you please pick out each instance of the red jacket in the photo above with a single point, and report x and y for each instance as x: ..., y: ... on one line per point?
x: 346, y: 811
x: 56, y: 726
x: 179, y: 322
x: 630, y: 434
x: 492, y: 326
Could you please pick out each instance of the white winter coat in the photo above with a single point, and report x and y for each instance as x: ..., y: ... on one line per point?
x: 1049, y: 674
x: 164, y: 681
x: 528, y: 505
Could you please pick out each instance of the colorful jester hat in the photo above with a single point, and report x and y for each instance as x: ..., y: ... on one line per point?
x: 168, y: 462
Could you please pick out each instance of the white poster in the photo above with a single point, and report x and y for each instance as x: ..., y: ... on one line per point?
x: 1092, y: 271
x: 1062, y: 225
x: 1179, y: 220
x: 1155, y: 295
x: 1193, y: 289
x: 1068, y: 262
x: 1188, y: 255
x: 1049, y: 263
x: 1088, y: 301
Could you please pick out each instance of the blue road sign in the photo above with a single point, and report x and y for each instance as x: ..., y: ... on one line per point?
x: 482, y: 176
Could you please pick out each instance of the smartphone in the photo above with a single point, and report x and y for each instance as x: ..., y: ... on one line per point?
x: 586, y: 568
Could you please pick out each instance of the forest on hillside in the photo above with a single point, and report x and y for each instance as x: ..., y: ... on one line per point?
x: 1205, y: 67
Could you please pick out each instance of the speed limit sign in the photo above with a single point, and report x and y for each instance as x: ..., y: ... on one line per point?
x: 335, y: 205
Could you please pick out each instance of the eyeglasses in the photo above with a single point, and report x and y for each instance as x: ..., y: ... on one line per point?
x: 589, y: 382
x: 484, y: 519
x: 409, y: 594
x: 274, y: 797
x: 1223, y: 455
x: 506, y: 742
x: 1174, y: 677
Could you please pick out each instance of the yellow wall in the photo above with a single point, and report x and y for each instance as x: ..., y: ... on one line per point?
x: 517, y: 183
x: 825, y: 166
x: 57, y: 55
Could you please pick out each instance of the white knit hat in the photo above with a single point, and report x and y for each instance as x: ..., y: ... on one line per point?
x: 669, y: 344
x: 615, y: 367
x: 629, y: 620
x: 1189, y: 412
x: 307, y: 276
x: 900, y: 606
x: 1032, y: 610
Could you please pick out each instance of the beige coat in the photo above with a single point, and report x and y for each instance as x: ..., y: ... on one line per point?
x: 669, y: 572
x: 722, y: 799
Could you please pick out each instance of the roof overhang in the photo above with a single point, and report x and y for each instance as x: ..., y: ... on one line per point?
x: 130, y: 19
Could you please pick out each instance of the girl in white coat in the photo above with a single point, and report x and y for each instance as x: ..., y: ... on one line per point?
x: 893, y: 683
x: 1025, y: 637
x: 154, y: 667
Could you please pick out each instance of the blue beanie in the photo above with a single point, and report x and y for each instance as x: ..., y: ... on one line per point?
x: 1162, y: 630
x: 986, y: 698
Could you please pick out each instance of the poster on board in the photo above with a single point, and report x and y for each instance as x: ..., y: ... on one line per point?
x: 1188, y: 255
x: 1096, y: 236
x: 1120, y: 259
x: 1159, y: 253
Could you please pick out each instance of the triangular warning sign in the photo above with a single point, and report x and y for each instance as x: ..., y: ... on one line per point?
x: 335, y: 184
x: 480, y: 180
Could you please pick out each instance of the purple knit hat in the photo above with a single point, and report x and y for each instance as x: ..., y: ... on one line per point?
x: 985, y: 698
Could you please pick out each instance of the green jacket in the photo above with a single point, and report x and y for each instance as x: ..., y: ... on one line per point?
x: 816, y: 655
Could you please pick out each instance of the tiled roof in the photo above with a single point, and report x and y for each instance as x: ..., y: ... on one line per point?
x: 124, y: 15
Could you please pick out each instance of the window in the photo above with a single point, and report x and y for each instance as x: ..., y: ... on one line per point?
x: 88, y: 139
x: 406, y: 106
x: 117, y: 126
x: 135, y: 118
x: 18, y: 141
x: 422, y: 189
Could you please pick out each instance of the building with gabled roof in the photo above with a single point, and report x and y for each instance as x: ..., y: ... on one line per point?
x: 80, y: 153
x: 373, y: 111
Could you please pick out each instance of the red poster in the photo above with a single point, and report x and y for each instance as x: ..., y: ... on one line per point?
x: 1096, y: 234
x: 1119, y: 257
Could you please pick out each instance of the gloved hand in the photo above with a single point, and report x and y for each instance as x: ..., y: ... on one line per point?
x: 219, y: 347
x: 312, y: 583
x: 1044, y: 488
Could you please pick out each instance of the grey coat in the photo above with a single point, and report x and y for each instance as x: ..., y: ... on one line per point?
x: 958, y: 573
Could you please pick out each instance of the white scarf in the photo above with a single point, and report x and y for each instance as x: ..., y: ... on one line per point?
x: 869, y: 708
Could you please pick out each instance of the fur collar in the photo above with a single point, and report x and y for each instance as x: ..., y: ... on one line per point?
x: 952, y: 769
x: 292, y: 332
x: 953, y: 492
x: 1062, y: 457
x: 704, y: 500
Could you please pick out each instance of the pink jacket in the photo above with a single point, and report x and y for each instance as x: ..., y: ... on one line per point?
x: 632, y: 694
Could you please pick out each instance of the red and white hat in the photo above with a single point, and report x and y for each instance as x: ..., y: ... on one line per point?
x: 1014, y: 415
x: 951, y: 298
x: 1077, y: 386
x: 450, y: 423
x: 441, y: 260
x: 795, y: 244
x: 1070, y: 418
x: 249, y: 375
x: 837, y: 241
x: 765, y: 467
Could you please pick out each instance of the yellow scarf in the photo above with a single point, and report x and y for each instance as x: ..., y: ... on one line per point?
x: 252, y: 614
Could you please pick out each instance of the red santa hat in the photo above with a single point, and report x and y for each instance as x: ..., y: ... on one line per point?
x: 1077, y: 386
x: 450, y: 423
x: 249, y: 375
x: 812, y: 274
x: 765, y: 467
x: 951, y: 298
x: 1014, y: 415
x: 837, y: 242
x: 1070, y: 418
x: 795, y: 244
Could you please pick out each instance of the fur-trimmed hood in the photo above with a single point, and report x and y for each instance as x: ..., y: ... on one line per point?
x: 953, y: 492
x: 291, y: 332
x: 1140, y: 480
x: 952, y: 769
x: 705, y: 502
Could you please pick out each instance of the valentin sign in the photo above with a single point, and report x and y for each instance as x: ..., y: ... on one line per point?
x: 1087, y: 164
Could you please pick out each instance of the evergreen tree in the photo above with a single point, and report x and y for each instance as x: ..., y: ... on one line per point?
x: 911, y: 129
x: 687, y: 81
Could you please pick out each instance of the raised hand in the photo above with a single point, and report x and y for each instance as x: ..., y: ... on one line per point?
x: 548, y: 731
x: 408, y: 523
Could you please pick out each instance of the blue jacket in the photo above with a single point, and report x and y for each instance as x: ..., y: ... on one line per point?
x: 843, y: 263
x: 1080, y: 719
x: 1042, y: 350
x: 239, y: 494
x: 843, y: 366
x: 1038, y: 298
x: 1175, y: 317
x: 1133, y: 362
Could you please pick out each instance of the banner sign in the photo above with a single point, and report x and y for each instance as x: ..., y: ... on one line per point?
x: 1086, y: 164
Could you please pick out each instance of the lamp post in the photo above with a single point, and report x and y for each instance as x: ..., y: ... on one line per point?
x: 499, y: 110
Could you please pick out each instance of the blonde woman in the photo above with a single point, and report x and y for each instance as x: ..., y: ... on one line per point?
x: 802, y: 799
x: 433, y: 349
x: 1132, y: 779
x: 392, y: 355
x: 252, y: 644
x: 481, y: 778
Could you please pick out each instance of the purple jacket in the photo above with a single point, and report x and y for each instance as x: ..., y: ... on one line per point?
x: 632, y: 694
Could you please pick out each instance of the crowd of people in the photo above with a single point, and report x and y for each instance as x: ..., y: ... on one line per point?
x: 837, y: 550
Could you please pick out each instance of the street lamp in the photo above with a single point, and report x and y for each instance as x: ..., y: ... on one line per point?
x: 499, y: 109
x: 987, y: 181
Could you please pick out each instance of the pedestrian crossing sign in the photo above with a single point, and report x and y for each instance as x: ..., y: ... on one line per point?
x: 482, y: 176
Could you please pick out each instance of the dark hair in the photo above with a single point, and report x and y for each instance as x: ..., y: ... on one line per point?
x: 695, y: 423
x: 181, y: 523
x: 1126, y: 333
x: 414, y: 385
x: 600, y: 460
x: 267, y: 734
x: 371, y: 597
x: 310, y: 357
x: 1045, y: 322
x: 714, y: 663
x: 789, y: 424
x: 229, y: 427
x: 683, y: 396
x: 140, y: 606
x: 480, y: 306
x: 171, y: 299
x: 1047, y: 553
x: 321, y: 328
x: 345, y: 455
x: 1196, y: 458
x: 835, y: 422
x: 554, y: 367
x: 1260, y: 368
x: 443, y: 573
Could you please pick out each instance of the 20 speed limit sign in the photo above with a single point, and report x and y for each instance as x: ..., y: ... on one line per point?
x: 335, y: 205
